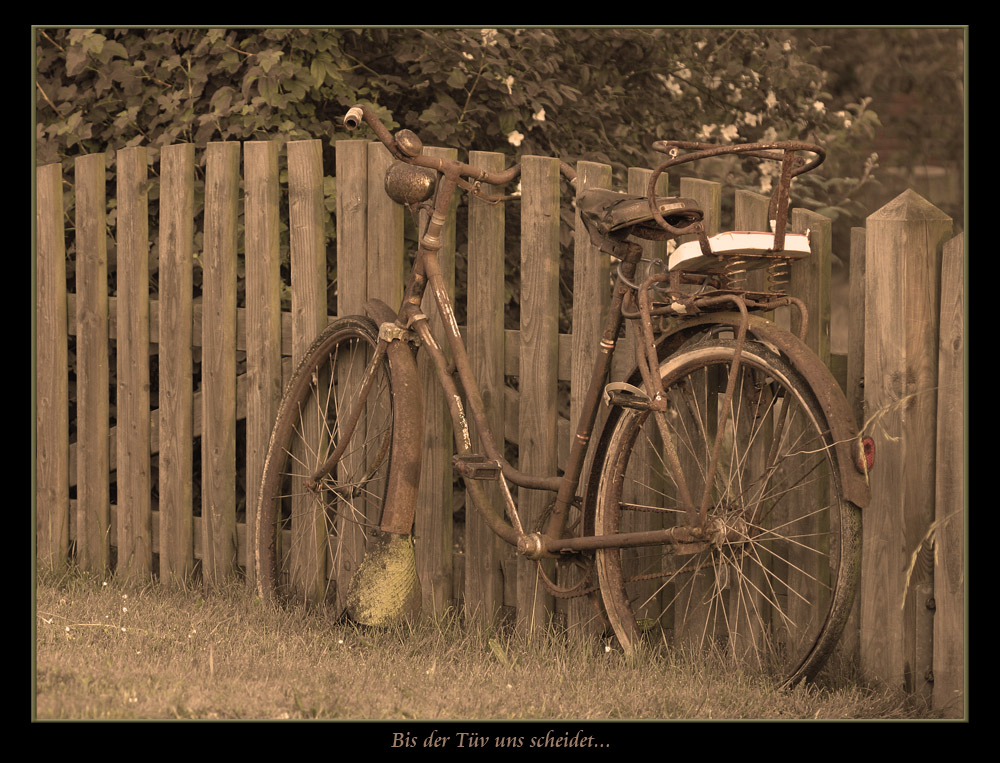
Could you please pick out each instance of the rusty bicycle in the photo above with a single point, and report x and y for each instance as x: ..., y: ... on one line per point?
x: 721, y: 512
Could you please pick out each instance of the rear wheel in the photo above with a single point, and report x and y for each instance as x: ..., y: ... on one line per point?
x: 310, y: 539
x: 773, y: 588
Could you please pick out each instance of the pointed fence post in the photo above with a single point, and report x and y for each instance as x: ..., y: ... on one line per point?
x: 903, y: 270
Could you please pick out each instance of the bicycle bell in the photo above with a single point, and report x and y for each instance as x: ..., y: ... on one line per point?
x: 407, y: 184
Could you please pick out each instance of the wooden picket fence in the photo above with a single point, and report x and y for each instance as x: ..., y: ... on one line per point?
x: 121, y: 496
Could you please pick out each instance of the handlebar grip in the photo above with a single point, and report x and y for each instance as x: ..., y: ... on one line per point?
x: 355, y: 116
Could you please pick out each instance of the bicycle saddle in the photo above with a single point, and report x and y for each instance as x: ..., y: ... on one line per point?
x: 612, y: 212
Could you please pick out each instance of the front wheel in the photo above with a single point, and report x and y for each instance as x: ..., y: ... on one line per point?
x: 773, y: 587
x: 311, y: 538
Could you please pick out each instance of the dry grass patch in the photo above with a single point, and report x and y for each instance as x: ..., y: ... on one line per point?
x: 106, y: 650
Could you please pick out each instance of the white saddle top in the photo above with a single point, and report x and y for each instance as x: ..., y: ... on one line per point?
x: 688, y: 256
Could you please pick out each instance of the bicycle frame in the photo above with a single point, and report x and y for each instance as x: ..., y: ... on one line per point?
x: 426, y: 273
x: 399, y: 326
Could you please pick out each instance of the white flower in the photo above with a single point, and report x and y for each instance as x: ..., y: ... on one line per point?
x: 772, y: 100
x: 706, y: 131
x: 539, y: 116
x: 819, y: 106
x: 489, y: 36
x: 467, y: 56
x: 729, y: 132
x: 509, y: 82
x: 515, y: 138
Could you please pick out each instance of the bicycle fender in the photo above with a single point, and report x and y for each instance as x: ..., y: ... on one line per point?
x: 408, y: 429
x: 834, y: 405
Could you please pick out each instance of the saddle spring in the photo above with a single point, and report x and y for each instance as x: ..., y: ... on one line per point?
x: 779, y: 274
x: 735, y: 273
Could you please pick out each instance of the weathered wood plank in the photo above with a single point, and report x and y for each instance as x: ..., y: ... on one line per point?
x: 218, y: 444
x: 903, y: 256
x: 433, y: 522
x: 176, y: 366
x: 591, y: 297
x: 263, y: 316
x: 352, y: 226
x: 135, y: 552
x: 386, y: 253
x: 750, y: 213
x: 309, y: 316
x: 93, y: 542
x: 537, y: 447
x: 51, y: 378
x: 708, y: 194
x: 484, y: 552
x: 949, y: 506
x: 811, y: 278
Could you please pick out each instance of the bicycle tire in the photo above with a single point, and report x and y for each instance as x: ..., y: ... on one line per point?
x: 309, y: 541
x: 776, y: 593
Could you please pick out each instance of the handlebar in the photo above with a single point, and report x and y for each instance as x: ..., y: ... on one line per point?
x: 406, y: 146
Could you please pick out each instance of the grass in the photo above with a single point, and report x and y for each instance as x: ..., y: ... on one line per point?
x: 105, y: 650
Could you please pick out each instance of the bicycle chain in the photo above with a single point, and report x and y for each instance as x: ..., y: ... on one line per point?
x: 585, y: 586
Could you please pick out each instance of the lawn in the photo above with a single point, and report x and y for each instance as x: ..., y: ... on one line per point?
x: 104, y: 650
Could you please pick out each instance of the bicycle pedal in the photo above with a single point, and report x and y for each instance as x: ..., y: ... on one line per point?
x: 625, y: 395
x: 477, y: 467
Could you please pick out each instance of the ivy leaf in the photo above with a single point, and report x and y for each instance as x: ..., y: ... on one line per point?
x: 268, y: 59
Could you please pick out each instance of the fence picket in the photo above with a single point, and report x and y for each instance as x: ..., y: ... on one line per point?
x: 484, y: 552
x: 750, y: 213
x: 309, y: 316
x: 134, y: 513
x: 811, y: 278
x: 218, y: 440
x: 51, y: 361
x: 591, y: 297
x: 539, y: 347
x: 386, y: 252
x: 93, y: 509
x: 949, y: 512
x: 176, y: 366
x: 263, y: 317
x: 903, y: 246
x: 352, y: 226
x: 433, y: 523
